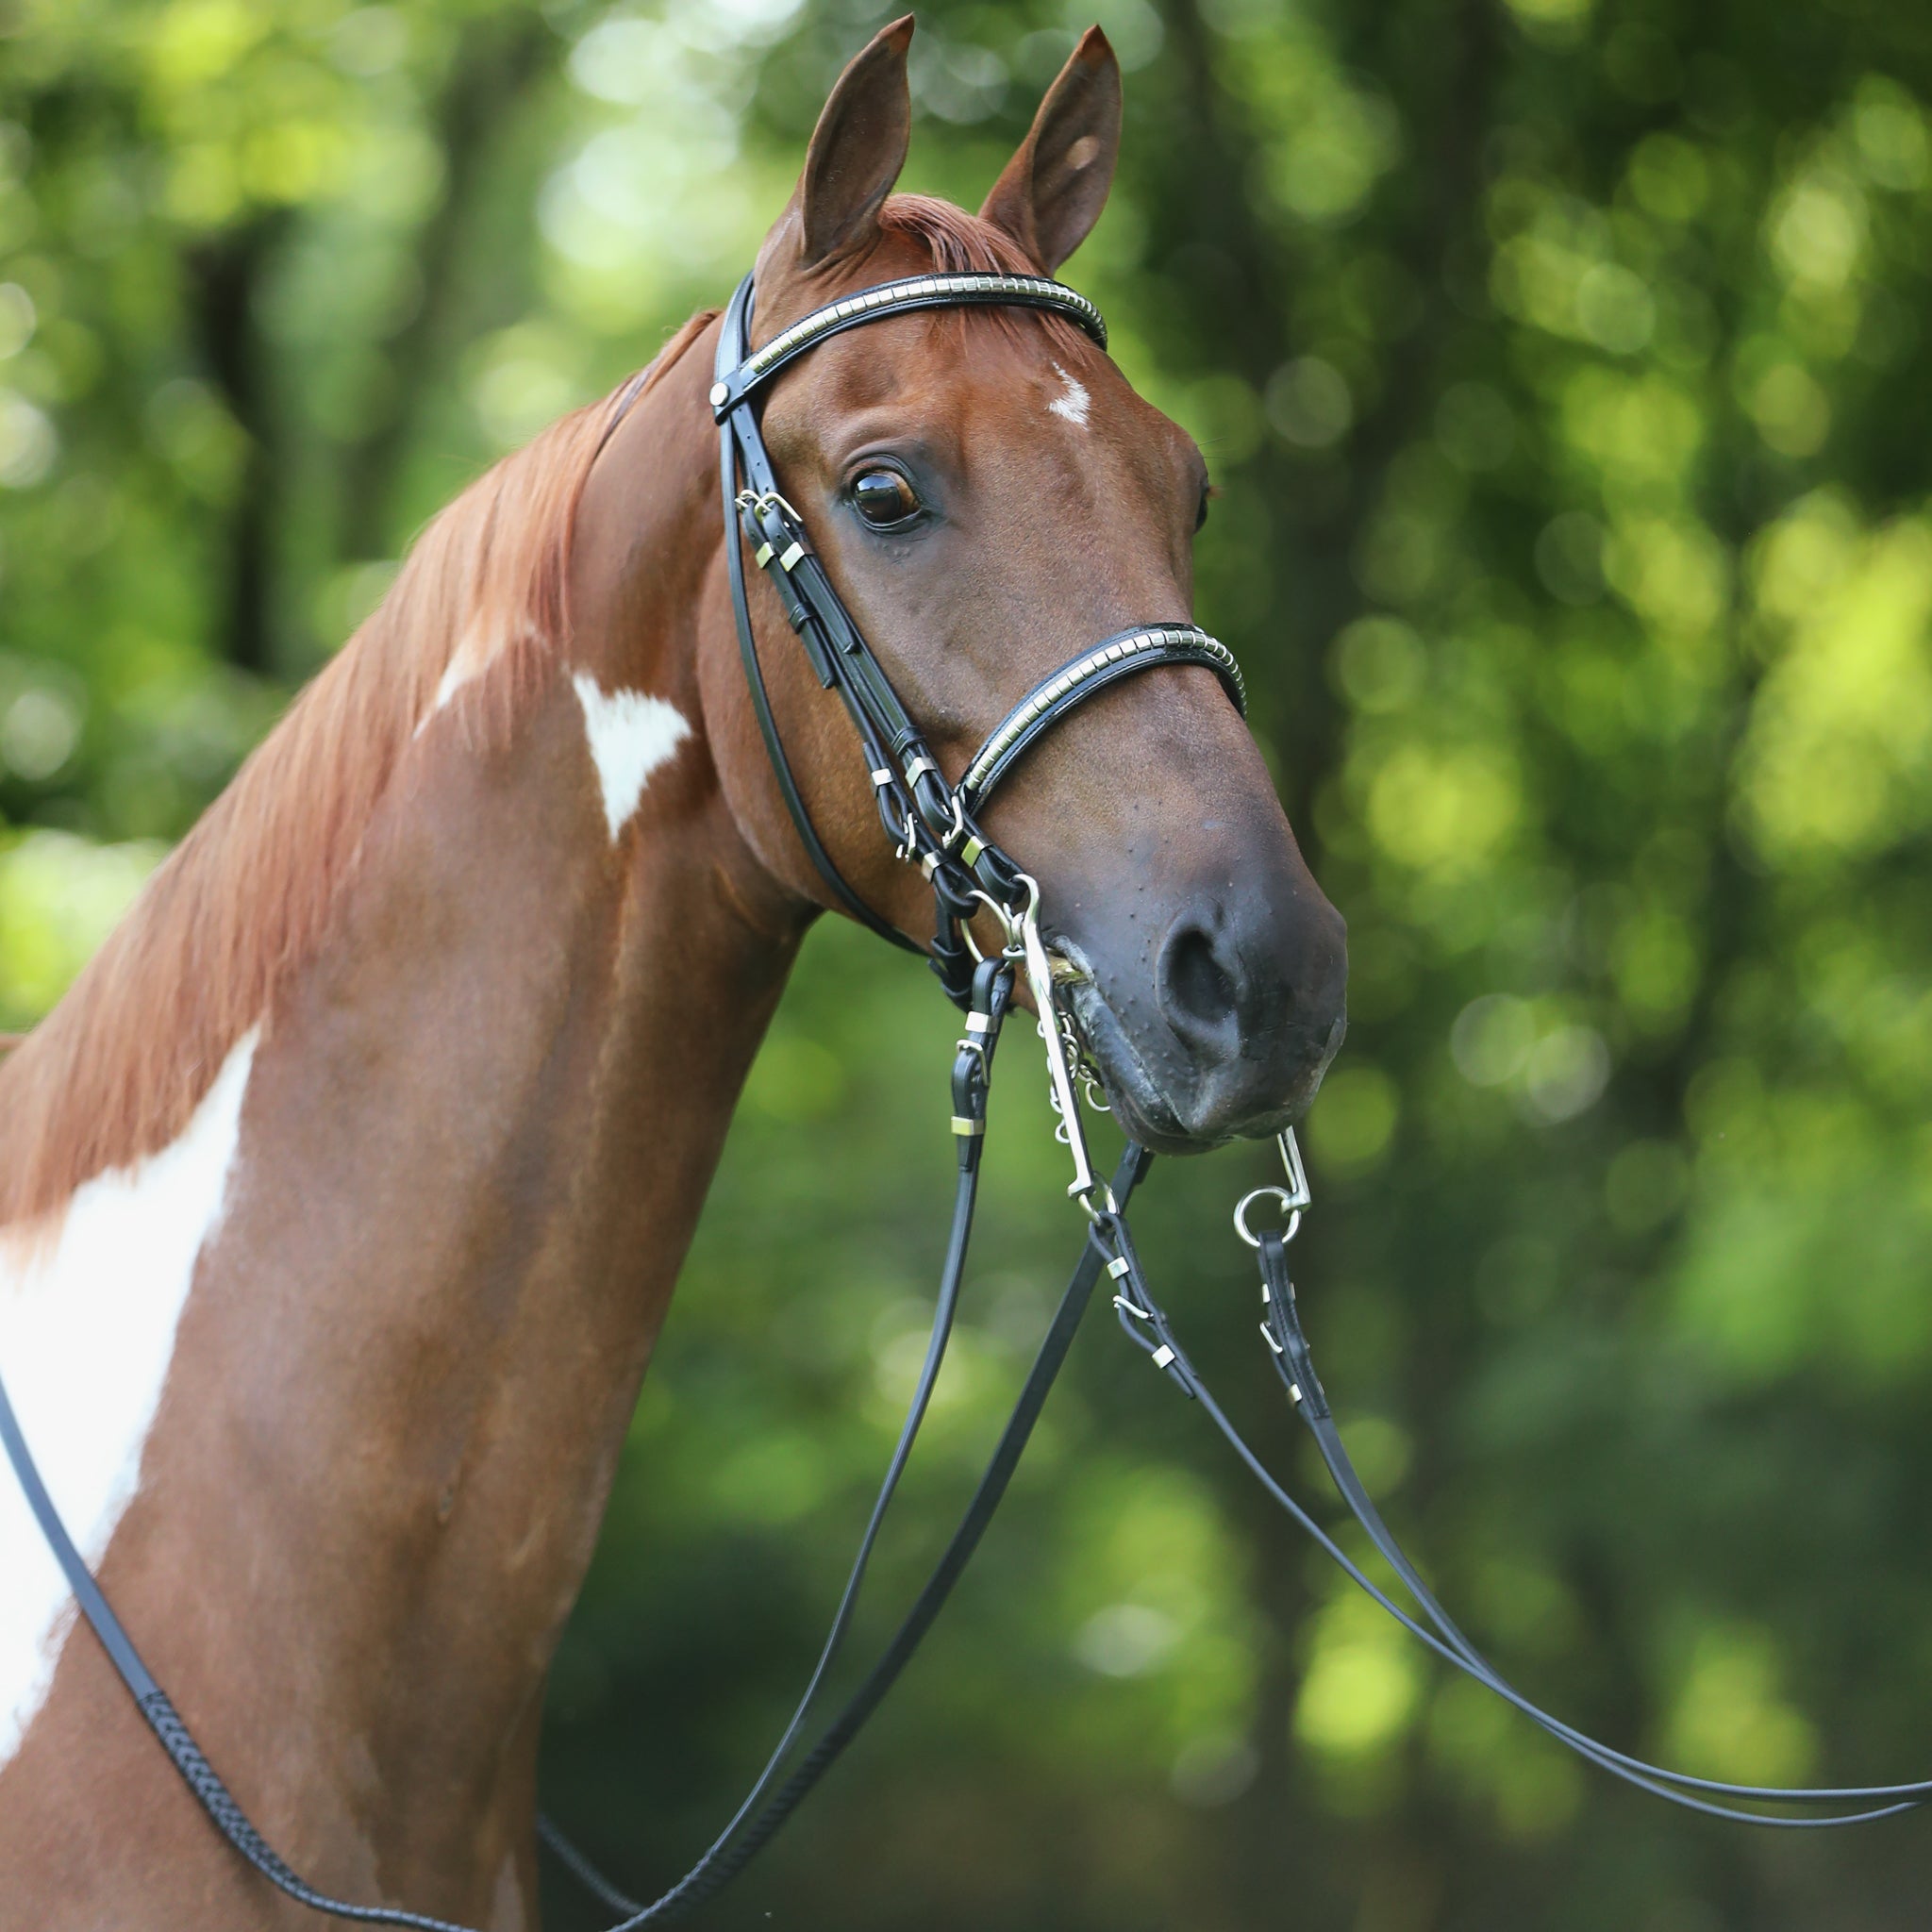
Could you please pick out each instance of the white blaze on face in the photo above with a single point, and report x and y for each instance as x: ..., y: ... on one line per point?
x: 1073, y: 401
x: 630, y: 735
x: 88, y: 1322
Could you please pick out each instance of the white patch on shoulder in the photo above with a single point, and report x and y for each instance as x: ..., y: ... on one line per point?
x: 630, y: 735
x: 1073, y: 404
x: 87, y: 1331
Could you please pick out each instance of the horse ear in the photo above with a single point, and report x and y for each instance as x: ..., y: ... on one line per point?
x: 1055, y: 187
x: 857, y: 149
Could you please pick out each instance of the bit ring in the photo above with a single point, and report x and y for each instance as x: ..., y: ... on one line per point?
x: 1289, y: 1208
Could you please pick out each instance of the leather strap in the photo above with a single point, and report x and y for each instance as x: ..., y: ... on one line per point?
x: 201, y: 1778
x: 732, y: 327
x: 731, y: 1852
x: 752, y: 371
x: 1148, y: 1326
x: 959, y: 1552
x: 1105, y: 663
x: 725, y: 1862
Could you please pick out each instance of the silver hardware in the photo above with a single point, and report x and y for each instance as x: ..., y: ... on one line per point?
x: 720, y: 392
x: 1296, y: 1197
x: 789, y: 562
x: 1040, y: 977
x: 1290, y: 1151
x: 966, y: 1128
x: 1161, y: 1356
x: 1013, y: 921
x: 768, y: 499
x: 978, y: 1022
x: 762, y: 555
x: 917, y: 767
x: 1119, y: 1267
x: 957, y: 830
x: 1247, y: 1201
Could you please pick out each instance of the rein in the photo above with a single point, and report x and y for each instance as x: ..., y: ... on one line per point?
x: 932, y: 825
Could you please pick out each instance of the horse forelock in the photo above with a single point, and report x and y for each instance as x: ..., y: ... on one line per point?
x: 115, y: 1072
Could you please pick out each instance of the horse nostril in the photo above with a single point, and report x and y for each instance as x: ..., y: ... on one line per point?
x: 1198, y: 994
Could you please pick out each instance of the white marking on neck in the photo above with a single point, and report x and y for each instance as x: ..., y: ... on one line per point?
x: 475, y: 652
x: 630, y: 735
x: 88, y: 1322
x: 1074, y: 403
x: 459, y: 674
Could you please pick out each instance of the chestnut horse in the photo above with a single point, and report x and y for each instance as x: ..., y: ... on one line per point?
x: 342, y: 1197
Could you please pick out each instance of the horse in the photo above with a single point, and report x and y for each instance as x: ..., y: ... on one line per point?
x: 344, y: 1195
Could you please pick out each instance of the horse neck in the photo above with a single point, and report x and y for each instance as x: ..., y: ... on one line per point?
x: 509, y: 1089
x: 475, y: 1133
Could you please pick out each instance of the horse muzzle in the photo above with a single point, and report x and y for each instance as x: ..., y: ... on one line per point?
x: 1220, y: 1021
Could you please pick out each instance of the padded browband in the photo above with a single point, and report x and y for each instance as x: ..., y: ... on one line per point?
x: 1091, y: 672
x: 897, y: 298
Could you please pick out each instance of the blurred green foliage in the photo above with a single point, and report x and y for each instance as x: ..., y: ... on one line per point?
x: 1560, y: 366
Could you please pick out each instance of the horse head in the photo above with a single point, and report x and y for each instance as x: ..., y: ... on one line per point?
x: 990, y: 495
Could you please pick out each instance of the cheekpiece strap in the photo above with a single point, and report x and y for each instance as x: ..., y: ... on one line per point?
x: 892, y: 298
x: 1091, y: 673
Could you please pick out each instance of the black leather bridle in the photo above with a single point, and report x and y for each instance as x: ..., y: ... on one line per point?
x: 933, y: 826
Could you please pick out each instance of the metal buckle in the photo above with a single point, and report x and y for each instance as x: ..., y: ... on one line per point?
x: 770, y: 499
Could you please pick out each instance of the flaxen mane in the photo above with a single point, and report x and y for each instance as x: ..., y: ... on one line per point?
x: 116, y: 1071
x: 117, y: 1068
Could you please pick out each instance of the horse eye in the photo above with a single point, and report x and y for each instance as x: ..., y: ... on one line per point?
x: 1201, y: 514
x: 884, y: 498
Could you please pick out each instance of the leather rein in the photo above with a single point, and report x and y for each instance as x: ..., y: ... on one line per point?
x: 933, y: 826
